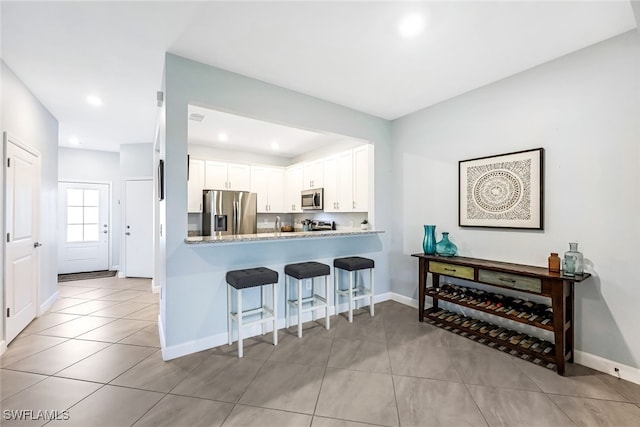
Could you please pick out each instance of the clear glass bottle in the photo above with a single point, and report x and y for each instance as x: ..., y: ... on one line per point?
x: 446, y: 247
x: 573, y: 261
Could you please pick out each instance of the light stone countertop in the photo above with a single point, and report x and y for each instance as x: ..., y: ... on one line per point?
x: 239, y: 238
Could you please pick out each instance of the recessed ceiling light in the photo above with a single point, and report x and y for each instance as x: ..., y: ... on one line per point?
x: 94, y: 100
x: 74, y: 140
x: 222, y: 137
x: 275, y: 145
x: 411, y: 25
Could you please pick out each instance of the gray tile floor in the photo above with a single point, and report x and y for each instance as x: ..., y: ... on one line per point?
x: 96, y: 354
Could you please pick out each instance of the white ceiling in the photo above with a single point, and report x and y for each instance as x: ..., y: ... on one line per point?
x: 256, y: 136
x: 346, y: 52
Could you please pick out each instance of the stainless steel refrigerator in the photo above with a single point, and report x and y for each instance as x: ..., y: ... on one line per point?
x: 229, y: 212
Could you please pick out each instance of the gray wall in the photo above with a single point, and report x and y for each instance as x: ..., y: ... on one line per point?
x: 24, y: 117
x: 193, y: 304
x: 96, y: 166
x: 584, y: 109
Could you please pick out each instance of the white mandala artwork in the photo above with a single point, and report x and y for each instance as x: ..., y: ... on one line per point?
x: 502, y: 191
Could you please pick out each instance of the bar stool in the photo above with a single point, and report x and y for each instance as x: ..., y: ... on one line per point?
x: 246, y: 279
x: 301, y: 271
x: 352, y: 265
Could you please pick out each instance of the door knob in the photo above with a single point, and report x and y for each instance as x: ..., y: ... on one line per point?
x: 128, y: 233
x: 105, y: 231
x: 37, y: 244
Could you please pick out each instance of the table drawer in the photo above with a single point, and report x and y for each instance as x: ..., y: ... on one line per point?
x: 451, y: 270
x: 524, y: 283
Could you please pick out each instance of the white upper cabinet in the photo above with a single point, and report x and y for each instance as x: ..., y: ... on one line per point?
x: 268, y: 183
x: 361, y: 179
x: 312, y: 174
x: 293, y: 188
x: 227, y: 176
x: 338, y: 183
x: 239, y: 177
x: 195, y: 186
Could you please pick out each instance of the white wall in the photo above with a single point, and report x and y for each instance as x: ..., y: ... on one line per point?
x: 194, y: 289
x: 96, y: 166
x: 30, y: 122
x: 584, y: 109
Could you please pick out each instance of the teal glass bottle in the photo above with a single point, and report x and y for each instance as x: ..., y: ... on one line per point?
x: 446, y: 247
x: 429, y: 241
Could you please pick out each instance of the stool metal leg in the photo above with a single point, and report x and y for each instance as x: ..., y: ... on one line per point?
x: 275, y: 313
x: 287, y: 297
x: 336, y: 301
x: 239, y: 316
x: 299, y: 308
x: 263, y: 299
x: 326, y: 294
x: 351, y: 290
x: 371, y: 309
x: 229, y: 317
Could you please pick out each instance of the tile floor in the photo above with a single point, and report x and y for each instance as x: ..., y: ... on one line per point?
x: 96, y: 354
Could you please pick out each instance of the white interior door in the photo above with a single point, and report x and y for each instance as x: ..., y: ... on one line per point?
x: 22, y: 215
x: 83, y: 226
x: 139, y: 228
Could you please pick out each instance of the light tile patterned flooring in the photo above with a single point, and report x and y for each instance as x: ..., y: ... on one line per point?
x: 96, y: 354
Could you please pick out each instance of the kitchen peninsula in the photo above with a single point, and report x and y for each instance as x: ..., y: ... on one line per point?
x: 240, y: 238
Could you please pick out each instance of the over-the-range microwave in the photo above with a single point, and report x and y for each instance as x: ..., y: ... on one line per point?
x: 312, y: 200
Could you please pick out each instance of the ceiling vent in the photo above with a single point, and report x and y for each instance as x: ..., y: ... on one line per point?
x: 197, y: 117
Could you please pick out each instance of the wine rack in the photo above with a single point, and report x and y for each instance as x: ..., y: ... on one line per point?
x: 523, y: 279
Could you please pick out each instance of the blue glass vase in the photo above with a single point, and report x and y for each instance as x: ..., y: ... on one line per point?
x: 429, y: 241
x: 446, y: 247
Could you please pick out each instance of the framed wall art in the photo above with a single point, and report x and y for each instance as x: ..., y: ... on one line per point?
x: 503, y: 191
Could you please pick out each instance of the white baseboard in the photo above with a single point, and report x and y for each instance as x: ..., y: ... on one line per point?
x: 607, y: 366
x: 155, y: 288
x: 121, y: 274
x: 3, y: 347
x: 48, y: 303
x: 404, y: 300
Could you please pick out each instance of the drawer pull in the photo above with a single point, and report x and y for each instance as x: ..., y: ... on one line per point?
x: 449, y: 269
x: 504, y: 279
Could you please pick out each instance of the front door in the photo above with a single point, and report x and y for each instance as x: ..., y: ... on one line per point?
x: 22, y: 216
x: 83, y: 225
x: 139, y: 228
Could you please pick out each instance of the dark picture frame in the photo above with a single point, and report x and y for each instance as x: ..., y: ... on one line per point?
x: 161, y: 180
x: 502, y: 191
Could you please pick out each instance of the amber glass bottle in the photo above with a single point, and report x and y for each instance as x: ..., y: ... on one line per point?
x: 554, y: 262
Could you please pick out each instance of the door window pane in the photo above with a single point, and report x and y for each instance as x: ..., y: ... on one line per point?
x: 74, y: 197
x: 74, y: 233
x: 83, y: 215
x: 91, y: 198
x: 90, y: 232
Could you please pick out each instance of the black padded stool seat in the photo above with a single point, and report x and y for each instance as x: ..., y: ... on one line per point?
x: 307, y: 270
x: 353, y: 263
x: 250, y: 277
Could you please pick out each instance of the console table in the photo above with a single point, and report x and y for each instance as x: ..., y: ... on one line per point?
x: 524, y: 279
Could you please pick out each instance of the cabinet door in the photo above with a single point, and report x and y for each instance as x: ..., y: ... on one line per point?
x: 195, y: 186
x: 216, y: 176
x: 292, y: 188
x: 345, y: 182
x: 361, y: 179
x: 276, y: 190
x: 259, y: 185
x: 312, y: 175
x: 331, y: 185
x: 238, y: 177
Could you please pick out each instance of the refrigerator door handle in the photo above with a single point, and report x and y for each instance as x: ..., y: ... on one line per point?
x: 236, y: 216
